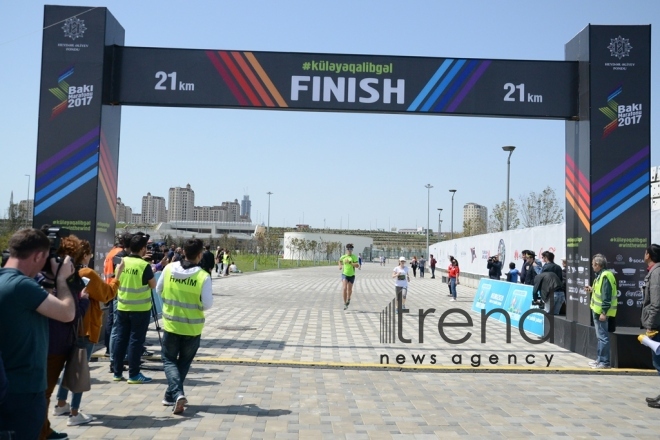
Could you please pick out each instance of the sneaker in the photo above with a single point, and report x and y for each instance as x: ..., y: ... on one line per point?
x: 61, y: 410
x: 139, y: 379
x: 167, y: 402
x: 54, y: 435
x: 118, y: 378
x: 345, y: 306
x: 181, y: 401
x: 348, y: 302
x: 601, y: 366
x: 453, y: 299
x: 593, y: 363
x: 79, y: 419
x: 147, y: 353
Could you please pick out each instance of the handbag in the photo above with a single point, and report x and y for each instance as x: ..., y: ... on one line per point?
x: 76, y: 376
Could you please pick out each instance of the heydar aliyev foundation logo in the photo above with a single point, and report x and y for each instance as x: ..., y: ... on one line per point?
x: 619, y: 47
x: 74, y: 28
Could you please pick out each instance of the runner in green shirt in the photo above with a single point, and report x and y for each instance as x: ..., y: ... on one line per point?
x: 347, y: 264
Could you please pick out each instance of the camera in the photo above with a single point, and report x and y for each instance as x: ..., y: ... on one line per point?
x: 55, y: 235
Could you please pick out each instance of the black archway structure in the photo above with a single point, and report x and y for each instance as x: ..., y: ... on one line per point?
x: 601, y: 89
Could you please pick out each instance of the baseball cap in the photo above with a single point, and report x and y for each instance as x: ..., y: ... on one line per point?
x: 402, y: 258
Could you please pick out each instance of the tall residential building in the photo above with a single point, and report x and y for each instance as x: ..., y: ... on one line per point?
x: 26, y: 207
x: 124, y: 213
x: 246, y: 207
x: 153, y: 209
x: 233, y: 210
x: 210, y: 214
x: 476, y: 216
x: 135, y: 219
x: 181, y: 204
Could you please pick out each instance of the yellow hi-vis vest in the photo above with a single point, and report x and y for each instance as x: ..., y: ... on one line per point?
x: 133, y: 296
x: 183, y: 312
x: 596, y: 296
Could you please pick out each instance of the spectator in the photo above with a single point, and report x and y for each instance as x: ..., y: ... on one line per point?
x: 494, y: 267
x: 422, y: 266
x: 558, y: 295
x: 432, y: 263
x: 184, y: 305
x: 99, y: 293
x: 603, y: 305
x: 110, y: 331
x: 24, y: 311
x: 512, y: 274
x: 414, y: 264
x: 651, y: 307
x: 133, y: 311
x: 451, y: 261
x: 454, y: 272
x: 207, y: 260
x: 530, y: 267
x: 60, y: 341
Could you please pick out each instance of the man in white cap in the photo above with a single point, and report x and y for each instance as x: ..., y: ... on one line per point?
x: 402, y: 278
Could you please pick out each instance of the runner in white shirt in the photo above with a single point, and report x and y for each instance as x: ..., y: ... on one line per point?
x: 402, y: 278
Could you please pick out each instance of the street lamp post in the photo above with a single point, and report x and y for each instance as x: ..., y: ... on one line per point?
x: 510, y: 149
x: 428, y: 186
x: 439, y: 224
x: 453, y: 193
x: 268, y: 224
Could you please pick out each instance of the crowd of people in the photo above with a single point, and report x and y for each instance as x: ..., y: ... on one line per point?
x: 52, y: 304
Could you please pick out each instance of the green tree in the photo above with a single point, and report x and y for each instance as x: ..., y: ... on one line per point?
x: 475, y: 226
x: 497, y: 217
x: 541, y: 209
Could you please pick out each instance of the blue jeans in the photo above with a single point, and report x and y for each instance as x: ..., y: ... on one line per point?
x: 178, y: 353
x: 113, y: 330
x: 603, y: 336
x: 452, y: 287
x: 656, y: 357
x: 560, y: 298
x: 131, y: 333
x: 62, y: 392
x: 23, y: 413
x: 421, y: 271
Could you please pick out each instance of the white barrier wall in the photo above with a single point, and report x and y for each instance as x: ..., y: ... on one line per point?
x: 472, y: 253
x: 360, y: 242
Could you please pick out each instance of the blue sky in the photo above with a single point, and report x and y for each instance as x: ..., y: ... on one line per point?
x: 307, y: 159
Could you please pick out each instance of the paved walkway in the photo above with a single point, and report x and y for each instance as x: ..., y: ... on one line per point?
x: 280, y: 358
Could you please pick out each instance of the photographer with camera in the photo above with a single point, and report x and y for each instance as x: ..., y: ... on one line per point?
x: 24, y: 311
x: 99, y: 293
x: 136, y: 279
x: 494, y: 267
x: 62, y: 335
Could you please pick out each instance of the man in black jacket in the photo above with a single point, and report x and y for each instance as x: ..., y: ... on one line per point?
x: 550, y: 266
x: 494, y: 267
x: 208, y: 261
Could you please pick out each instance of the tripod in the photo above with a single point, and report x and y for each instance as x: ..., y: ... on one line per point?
x: 154, y: 314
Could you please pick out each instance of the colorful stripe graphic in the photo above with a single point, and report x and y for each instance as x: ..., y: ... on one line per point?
x: 611, y: 111
x: 621, y: 188
x: 449, y: 86
x: 108, y: 176
x: 246, y: 79
x: 67, y: 170
x: 577, y: 192
x: 61, y: 92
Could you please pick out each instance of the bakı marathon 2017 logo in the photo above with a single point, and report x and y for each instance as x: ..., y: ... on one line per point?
x: 70, y: 96
x: 618, y: 114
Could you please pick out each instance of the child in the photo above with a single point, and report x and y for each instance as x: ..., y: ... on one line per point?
x: 512, y: 274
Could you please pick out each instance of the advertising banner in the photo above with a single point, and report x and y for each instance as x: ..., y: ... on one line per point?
x: 77, y: 147
x: 514, y: 298
x: 350, y: 83
x: 608, y: 166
